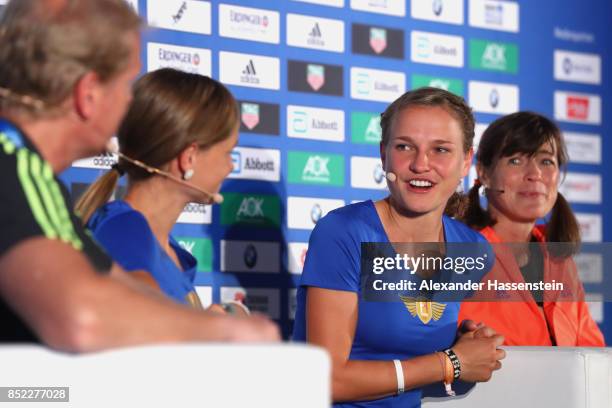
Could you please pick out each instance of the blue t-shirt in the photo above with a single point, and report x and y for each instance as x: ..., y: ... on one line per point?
x: 384, y: 330
x: 126, y: 236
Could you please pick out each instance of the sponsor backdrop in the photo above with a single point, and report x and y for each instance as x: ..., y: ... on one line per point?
x: 312, y: 77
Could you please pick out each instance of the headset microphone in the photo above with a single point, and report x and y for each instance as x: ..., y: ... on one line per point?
x: 212, y: 198
x: 391, y: 176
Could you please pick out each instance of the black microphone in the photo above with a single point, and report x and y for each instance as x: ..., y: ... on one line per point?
x: 211, y: 197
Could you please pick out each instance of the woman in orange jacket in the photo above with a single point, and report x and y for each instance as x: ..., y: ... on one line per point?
x: 518, y: 163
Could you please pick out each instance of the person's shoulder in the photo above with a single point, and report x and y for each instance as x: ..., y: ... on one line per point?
x: 346, y: 217
x: 461, y: 232
x: 119, y: 219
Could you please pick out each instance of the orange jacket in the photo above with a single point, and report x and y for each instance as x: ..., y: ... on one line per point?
x: 523, y: 323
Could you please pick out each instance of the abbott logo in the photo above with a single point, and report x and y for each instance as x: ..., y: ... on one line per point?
x: 363, y: 83
x: 249, y: 114
x: 250, y: 207
x: 315, y: 76
x: 378, y: 39
x: 422, y: 47
x: 316, y: 170
x: 300, y: 122
x: 237, y: 162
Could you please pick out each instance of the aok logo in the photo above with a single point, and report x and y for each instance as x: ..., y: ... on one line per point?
x: 494, y: 56
x: 577, y: 108
x: 316, y: 169
x: 250, y: 207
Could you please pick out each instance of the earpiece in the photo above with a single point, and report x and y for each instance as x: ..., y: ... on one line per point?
x: 211, y: 197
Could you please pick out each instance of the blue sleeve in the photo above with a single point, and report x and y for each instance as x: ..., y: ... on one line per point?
x: 127, y: 238
x: 333, y: 258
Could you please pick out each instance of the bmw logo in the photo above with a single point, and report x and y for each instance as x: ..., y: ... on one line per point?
x: 494, y: 98
x: 315, y: 213
x: 379, y: 174
x: 567, y: 65
x: 250, y: 256
x: 437, y: 7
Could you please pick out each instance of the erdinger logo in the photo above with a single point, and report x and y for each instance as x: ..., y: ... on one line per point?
x: 315, y: 36
x: 179, y: 15
x: 378, y: 39
x: 249, y: 74
x: 315, y: 76
x: 379, y: 174
x: 577, y: 107
x: 250, y: 256
x: 494, y: 98
x: 316, y: 169
x: 437, y: 7
x: 315, y: 213
x: 252, y: 19
x: 494, y: 14
x: 184, y: 57
x: 494, y: 56
x: 249, y: 114
x: 567, y: 65
x: 250, y: 207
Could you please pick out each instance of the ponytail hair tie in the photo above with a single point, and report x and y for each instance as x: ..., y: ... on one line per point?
x: 118, y: 169
x: 477, y: 183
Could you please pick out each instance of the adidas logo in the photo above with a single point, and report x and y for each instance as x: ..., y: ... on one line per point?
x: 249, y: 75
x: 315, y: 36
x: 316, y: 31
x: 250, y: 69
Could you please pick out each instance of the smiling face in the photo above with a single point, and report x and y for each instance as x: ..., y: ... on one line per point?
x: 529, y: 183
x: 425, y: 151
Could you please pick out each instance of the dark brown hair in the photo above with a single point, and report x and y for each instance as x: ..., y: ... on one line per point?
x: 171, y: 110
x: 434, y: 97
x: 524, y: 133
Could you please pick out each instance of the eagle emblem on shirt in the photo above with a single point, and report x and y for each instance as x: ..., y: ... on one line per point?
x: 424, y: 308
